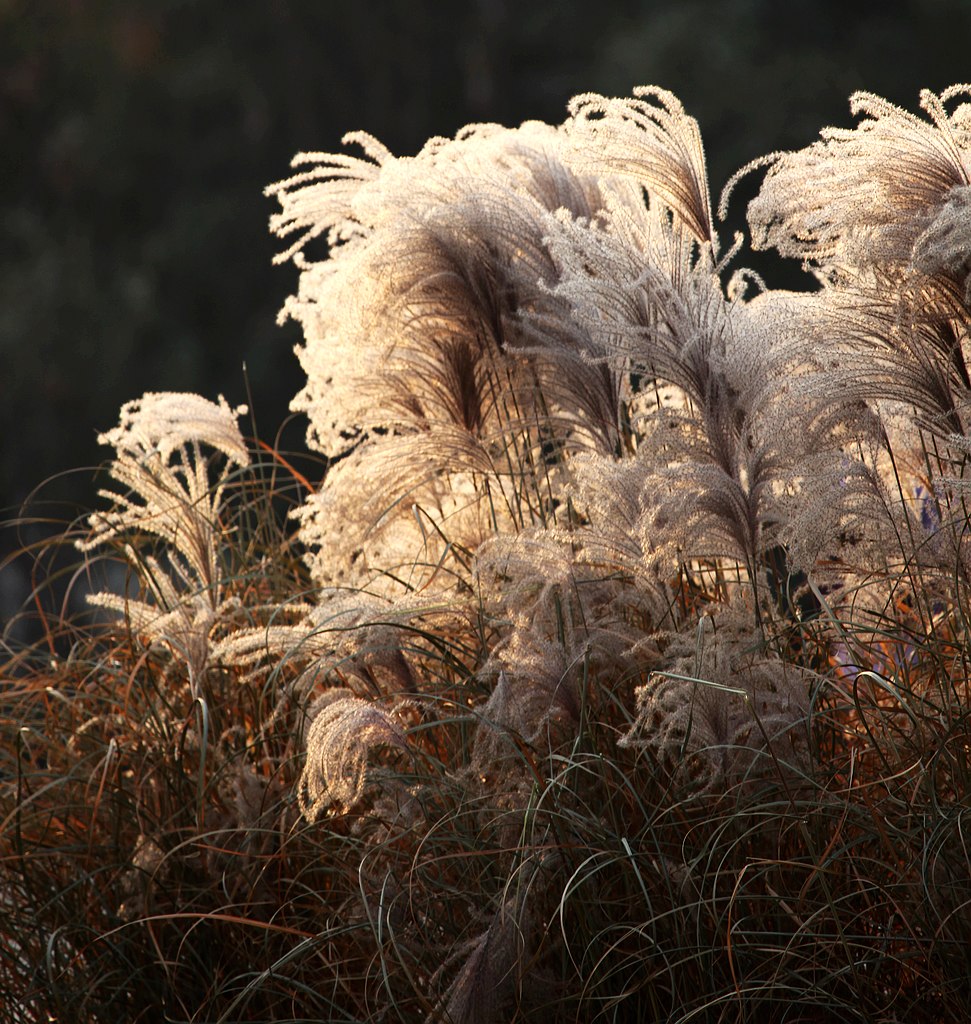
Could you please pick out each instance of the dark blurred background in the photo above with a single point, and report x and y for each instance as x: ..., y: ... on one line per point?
x: 136, y: 137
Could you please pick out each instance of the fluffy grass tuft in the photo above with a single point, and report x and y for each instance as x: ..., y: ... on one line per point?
x: 613, y: 667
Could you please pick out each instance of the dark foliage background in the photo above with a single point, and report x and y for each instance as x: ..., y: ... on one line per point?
x: 136, y: 137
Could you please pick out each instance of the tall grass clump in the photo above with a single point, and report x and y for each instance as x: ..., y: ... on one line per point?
x: 615, y: 669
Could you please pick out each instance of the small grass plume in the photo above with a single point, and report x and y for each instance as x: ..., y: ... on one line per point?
x: 615, y: 668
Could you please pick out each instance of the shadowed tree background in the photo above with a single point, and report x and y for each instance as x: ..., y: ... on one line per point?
x: 136, y: 137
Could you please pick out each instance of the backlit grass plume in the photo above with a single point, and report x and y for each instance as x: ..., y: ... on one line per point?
x: 616, y: 666
x: 342, y: 731
x: 170, y: 491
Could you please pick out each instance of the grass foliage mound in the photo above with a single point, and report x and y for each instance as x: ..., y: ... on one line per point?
x: 616, y: 666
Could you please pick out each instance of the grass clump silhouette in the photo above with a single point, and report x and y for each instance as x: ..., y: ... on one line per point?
x: 616, y: 669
